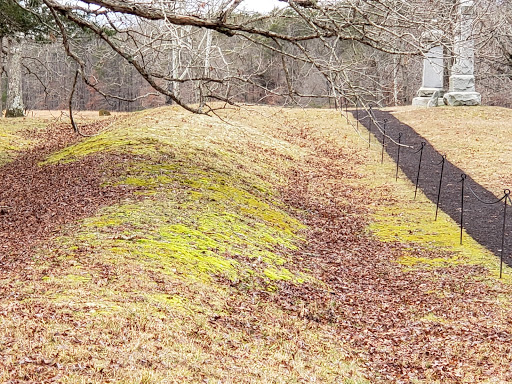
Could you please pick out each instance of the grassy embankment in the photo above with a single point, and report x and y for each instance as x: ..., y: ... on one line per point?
x: 171, y: 284
x: 168, y: 285
x: 14, y: 136
x: 22, y: 134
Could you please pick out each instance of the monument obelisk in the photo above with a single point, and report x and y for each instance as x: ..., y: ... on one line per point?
x: 462, y: 80
x: 433, y: 69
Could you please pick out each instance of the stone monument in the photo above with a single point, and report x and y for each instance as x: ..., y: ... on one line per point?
x: 462, y: 79
x: 431, y: 92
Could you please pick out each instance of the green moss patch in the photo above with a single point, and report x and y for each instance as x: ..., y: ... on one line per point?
x: 203, y: 213
x: 199, y: 229
x: 179, y: 281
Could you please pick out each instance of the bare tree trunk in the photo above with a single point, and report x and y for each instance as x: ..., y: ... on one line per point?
x: 396, y: 85
x: 202, y: 99
x: 175, y: 70
x: 334, y: 94
x: 14, y: 107
x: 174, y: 86
x: 1, y: 76
x: 170, y: 84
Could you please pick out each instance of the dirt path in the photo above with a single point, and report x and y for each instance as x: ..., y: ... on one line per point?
x: 484, y: 222
x: 37, y: 200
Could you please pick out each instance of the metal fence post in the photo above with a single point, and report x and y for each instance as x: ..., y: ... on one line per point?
x: 507, y: 196
x: 398, y: 155
x: 462, y: 179
x: 419, y: 168
x: 440, y: 182
x: 383, y: 141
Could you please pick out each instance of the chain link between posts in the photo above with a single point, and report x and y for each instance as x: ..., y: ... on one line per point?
x: 381, y: 128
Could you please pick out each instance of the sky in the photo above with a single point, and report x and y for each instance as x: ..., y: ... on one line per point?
x: 261, y: 5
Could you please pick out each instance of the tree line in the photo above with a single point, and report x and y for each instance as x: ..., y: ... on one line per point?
x: 128, y: 55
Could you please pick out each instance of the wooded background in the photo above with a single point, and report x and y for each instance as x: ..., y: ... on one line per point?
x: 130, y: 56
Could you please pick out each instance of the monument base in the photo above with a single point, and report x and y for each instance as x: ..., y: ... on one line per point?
x: 429, y: 92
x: 457, y: 99
x: 462, y: 83
x: 427, y: 102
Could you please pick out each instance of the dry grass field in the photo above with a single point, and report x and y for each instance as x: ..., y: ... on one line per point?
x: 245, y: 249
x: 476, y: 139
x: 63, y: 115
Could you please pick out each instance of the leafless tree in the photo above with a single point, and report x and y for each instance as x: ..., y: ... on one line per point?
x: 194, y: 52
x: 204, y: 46
x: 14, y: 106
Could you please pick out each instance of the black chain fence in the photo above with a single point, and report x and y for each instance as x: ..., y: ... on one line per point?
x: 477, y: 210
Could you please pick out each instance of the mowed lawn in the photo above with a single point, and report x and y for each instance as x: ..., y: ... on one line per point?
x: 265, y: 246
x: 476, y: 139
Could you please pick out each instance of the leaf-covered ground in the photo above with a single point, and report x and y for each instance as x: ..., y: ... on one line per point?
x: 181, y: 248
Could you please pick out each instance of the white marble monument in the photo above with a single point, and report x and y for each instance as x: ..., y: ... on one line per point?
x: 431, y: 92
x: 462, y: 80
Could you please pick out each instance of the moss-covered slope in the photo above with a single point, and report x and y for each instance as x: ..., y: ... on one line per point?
x: 172, y: 283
